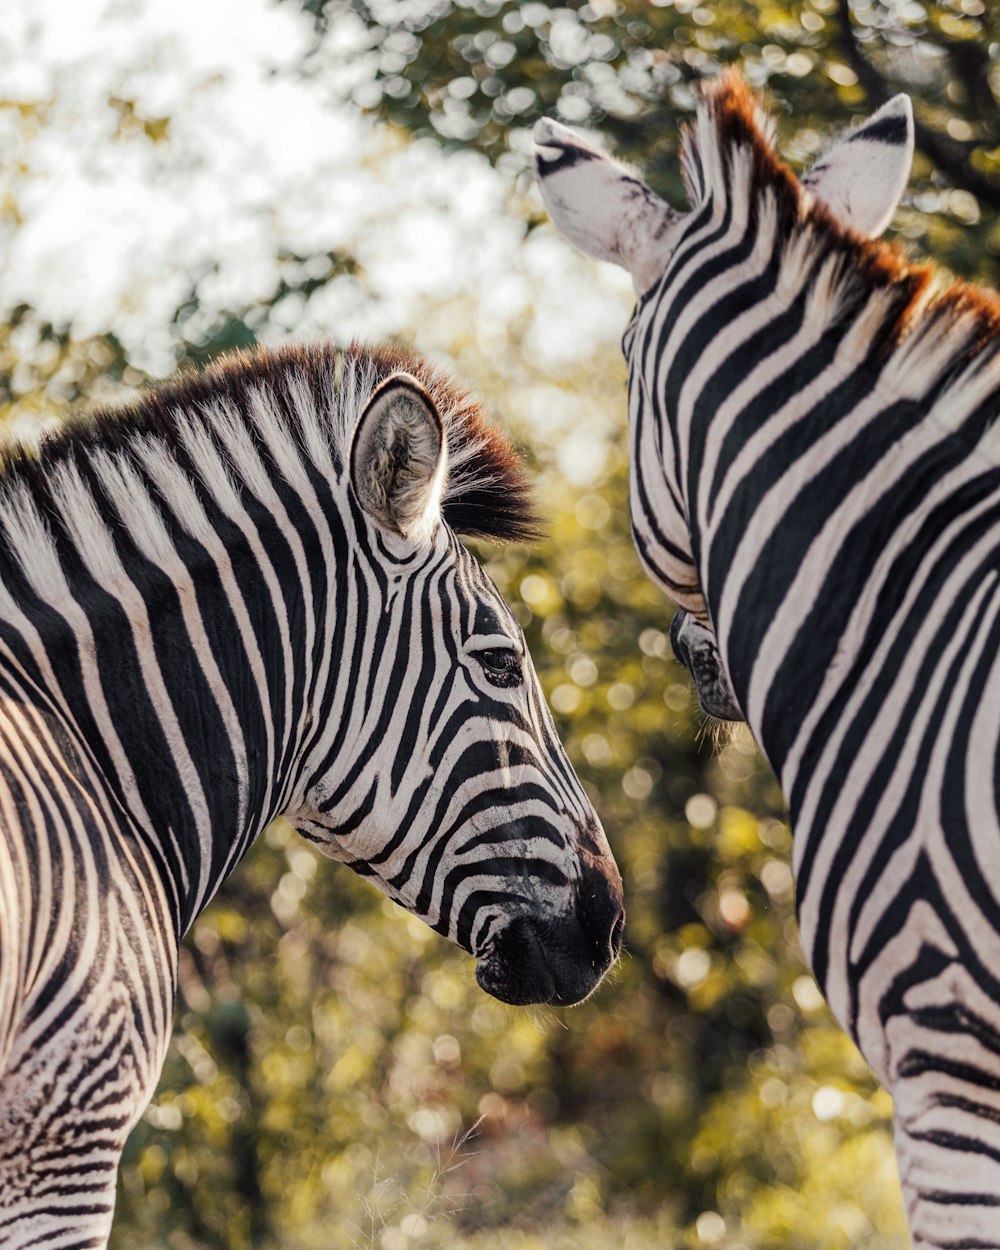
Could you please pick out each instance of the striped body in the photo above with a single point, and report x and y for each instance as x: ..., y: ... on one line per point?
x: 247, y: 599
x: 816, y: 482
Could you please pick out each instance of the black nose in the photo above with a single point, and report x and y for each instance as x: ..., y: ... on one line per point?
x: 562, y: 959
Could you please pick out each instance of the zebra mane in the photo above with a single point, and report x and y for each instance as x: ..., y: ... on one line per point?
x: 925, y: 335
x: 299, y: 398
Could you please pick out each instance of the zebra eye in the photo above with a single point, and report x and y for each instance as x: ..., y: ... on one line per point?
x: 501, y: 666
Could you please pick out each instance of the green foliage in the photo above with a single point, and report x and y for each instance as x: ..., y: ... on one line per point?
x: 203, y: 335
x: 46, y: 368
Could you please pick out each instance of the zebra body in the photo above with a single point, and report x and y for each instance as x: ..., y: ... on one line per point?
x: 815, y: 482
x: 246, y: 598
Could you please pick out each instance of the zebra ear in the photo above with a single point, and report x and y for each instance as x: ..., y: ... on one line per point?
x: 861, y: 178
x: 399, y: 458
x: 600, y: 206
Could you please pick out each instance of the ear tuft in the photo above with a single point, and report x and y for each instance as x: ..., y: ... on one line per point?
x: 862, y: 177
x: 601, y: 207
x: 399, y: 458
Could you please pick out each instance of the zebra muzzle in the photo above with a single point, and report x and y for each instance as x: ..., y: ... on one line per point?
x: 695, y: 649
x: 558, y: 960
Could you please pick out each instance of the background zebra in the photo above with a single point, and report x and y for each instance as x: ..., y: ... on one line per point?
x: 815, y: 481
x: 241, y: 598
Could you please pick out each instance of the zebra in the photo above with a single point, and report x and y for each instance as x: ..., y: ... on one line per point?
x: 815, y: 482
x: 245, y: 596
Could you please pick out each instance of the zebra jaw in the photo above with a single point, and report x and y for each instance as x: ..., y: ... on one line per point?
x: 552, y: 956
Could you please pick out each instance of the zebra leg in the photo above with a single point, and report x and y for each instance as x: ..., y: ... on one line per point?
x: 66, y: 1109
x: 59, y: 1155
x: 946, y: 1087
x: 949, y: 1172
x: 84, y: 1062
x: 51, y: 1208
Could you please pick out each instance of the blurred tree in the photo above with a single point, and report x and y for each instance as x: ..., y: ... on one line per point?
x: 478, y: 73
x: 45, y: 368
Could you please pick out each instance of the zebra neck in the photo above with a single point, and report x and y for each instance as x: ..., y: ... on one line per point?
x: 207, y: 682
x: 191, y: 671
x: 813, y: 529
x: 825, y: 421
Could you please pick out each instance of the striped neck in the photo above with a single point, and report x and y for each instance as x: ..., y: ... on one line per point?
x: 187, y: 633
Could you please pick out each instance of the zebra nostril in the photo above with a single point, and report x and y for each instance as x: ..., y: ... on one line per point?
x: 601, y: 916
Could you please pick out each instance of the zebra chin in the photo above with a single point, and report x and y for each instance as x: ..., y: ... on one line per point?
x: 695, y: 649
x: 559, y: 960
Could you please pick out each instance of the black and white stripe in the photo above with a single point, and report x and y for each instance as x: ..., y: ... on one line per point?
x: 246, y: 598
x: 816, y: 482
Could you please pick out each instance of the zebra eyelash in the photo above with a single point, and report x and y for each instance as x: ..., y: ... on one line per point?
x: 500, y: 659
x: 501, y: 666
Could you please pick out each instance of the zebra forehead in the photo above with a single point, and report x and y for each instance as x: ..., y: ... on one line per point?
x: 295, y: 399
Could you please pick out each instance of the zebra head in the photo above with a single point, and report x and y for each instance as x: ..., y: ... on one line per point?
x: 441, y: 777
x: 701, y: 278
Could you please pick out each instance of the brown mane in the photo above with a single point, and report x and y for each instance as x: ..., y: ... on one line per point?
x: 487, y: 494
x: 739, y: 122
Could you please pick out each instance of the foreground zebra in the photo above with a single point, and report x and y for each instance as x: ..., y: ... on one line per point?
x: 244, y: 598
x: 815, y: 482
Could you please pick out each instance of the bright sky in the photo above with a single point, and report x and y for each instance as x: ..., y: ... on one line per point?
x: 258, y: 160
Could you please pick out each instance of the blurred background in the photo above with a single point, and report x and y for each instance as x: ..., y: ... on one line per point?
x: 182, y: 180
